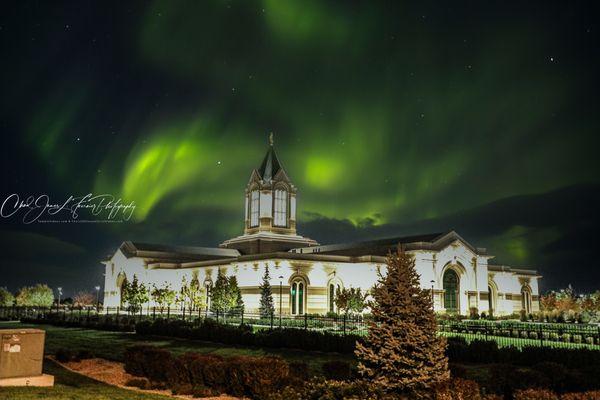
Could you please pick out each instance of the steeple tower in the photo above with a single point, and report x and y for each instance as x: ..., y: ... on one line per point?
x: 270, y: 210
x: 270, y: 197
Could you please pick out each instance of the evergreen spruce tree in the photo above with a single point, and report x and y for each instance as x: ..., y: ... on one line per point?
x: 402, y: 353
x: 266, y: 306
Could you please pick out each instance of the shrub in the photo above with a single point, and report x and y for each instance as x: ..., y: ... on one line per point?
x: 593, y: 395
x: 458, y: 389
x: 459, y: 350
x: 256, y: 377
x: 179, y: 372
x: 64, y: 355
x: 299, y: 371
x: 320, y: 389
x: 84, y: 355
x: 503, y: 379
x: 141, y: 383
x: 198, y: 374
x: 199, y: 369
x: 211, y: 373
x: 203, y: 391
x: 211, y: 330
x: 182, y: 389
x: 457, y: 370
x: 482, y: 350
x: 148, y: 361
x: 336, y: 370
x: 535, y: 394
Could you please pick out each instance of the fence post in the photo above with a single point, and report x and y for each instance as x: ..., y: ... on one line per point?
x: 169, y: 313
x: 305, y: 321
x: 242, y: 323
x: 541, y: 336
x: 271, y: 320
x: 153, y: 313
x: 344, y: 324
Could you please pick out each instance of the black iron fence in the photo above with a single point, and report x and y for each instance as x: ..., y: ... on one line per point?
x: 117, y: 317
x: 515, y: 333
x: 505, y: 333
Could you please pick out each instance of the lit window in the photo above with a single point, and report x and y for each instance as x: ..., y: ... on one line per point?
x: 297, y: 297
x: 254, y: 208
x: 280, y: 213
x: 526, y: 300
x: 334, y: 291
x: 451, y: 285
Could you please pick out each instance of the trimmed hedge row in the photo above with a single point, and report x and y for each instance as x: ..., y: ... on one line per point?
x: 565, y: 333
x: 210, y: 375
x: 123, y: 324
x: 487, y: 351
x: 210, y: 330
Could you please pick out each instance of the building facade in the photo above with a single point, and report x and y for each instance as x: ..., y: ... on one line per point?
x: 305, y: 276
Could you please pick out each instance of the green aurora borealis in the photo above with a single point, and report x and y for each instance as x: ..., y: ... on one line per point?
x: 391, y: 118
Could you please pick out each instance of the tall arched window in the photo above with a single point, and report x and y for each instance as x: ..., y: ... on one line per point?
x: 451, y: 285
x: 280, y: 208
x: 254, y: 208
x: 207, y: 292
x: 298, y: 296
x: 333, y: 290
x: 526, y: 299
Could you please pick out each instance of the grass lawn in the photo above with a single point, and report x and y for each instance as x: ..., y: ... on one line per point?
x: 111, y: 345
x: 71, y: 386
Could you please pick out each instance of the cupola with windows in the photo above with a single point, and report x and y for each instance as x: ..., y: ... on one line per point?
x: 270, y: 210
x: 270, y: 197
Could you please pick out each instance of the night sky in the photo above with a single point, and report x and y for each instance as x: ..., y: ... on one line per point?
x: 391, y: 118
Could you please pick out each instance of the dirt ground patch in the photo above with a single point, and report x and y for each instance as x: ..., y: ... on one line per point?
x: 113, y: 373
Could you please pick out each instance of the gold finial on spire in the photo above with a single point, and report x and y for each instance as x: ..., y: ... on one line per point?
x: 271, y: 138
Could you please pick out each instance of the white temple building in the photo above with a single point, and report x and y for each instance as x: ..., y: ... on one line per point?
x: 459, y: 275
